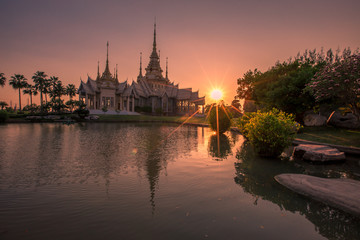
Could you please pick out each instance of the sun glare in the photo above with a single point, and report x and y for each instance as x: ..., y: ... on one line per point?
x: 216, y: 94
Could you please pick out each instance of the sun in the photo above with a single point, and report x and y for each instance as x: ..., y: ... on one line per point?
x: 216, y: 94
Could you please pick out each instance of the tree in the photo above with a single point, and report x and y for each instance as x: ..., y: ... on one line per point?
x: 56, y: 91
x: 18, y: 81
x: 3, y: 105
x: 39, y: 79
x: 31, y: 90
x: 2, y: 79
x: 284, y: 85
x: 71, y: 92
x: 246, y: 84
x: 339, y: 83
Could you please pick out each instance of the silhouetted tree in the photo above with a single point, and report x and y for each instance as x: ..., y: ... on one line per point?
x: 56, y: 91
x: 3, y: 105
x: 31, y: 90
x: 2, y: 79
x: 39, y: 79
x: 18, y: 81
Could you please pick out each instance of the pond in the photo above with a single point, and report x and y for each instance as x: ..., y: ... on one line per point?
x: 147, y: 181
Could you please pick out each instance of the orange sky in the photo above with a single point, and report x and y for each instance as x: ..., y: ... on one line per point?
x: 208, y: 43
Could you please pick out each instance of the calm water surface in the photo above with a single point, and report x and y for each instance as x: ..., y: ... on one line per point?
x: 129, y: 181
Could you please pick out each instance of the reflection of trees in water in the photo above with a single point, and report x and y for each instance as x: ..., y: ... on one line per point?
x: 219, y: 147
x: 256, y: 176
x: 154, y: 150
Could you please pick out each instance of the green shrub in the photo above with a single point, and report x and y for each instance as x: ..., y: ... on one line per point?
x: 138, y: 109
x: 271, y: 132
x: 245, y: 119
x: 147, y: 109
x: 224, y: 119
x: 82, y: 113
x: 159, y: 111
x: 3, y: 116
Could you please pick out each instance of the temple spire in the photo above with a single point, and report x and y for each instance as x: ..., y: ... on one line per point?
x: 107, y: 57
x: 98, y: 72
x: 166, y: 76
x: 116, y: 72
x: 140, y: 70
x: 154, y: 43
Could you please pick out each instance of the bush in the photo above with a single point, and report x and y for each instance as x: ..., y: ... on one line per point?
x: 3, y: 116
x: 159, y: 111
x: 82, y: 113
x: 245, y: 119
x: 271, y: 132
x: 147, y: 109
x: 224, y: 119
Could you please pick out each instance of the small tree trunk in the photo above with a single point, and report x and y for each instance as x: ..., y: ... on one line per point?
x: 41, y: 101
x: 30, y: 99
x: 20, y: 99
x: 356, y: 111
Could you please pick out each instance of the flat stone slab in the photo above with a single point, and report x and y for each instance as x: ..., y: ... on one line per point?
x: 337, y: 192
x: 318, y: 153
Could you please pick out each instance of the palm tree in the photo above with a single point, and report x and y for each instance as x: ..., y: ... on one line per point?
x: 56, y: 91
x: 31, y: 90
x: 47, y: 88
x: 2, y: 79
x: 3, y: 105
x: 71, y: 92
x: 18, y: 81
x: 39, y: 79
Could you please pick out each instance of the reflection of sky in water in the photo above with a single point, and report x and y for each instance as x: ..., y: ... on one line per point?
x: 130, y: 181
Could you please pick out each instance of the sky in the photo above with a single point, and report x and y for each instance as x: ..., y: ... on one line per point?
x: 209, y: 44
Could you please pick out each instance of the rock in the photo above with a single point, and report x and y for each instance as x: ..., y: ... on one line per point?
x: 314, y: 120
x: 347, y: 121
x: 318, y: 153
x: 341, y: 193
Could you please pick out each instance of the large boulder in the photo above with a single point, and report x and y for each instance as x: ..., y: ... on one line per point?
x: 340, y: 193
x: 314, y: 120
x: 344, y: 121
x: 318, y: 153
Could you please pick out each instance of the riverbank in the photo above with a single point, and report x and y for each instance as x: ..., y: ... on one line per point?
x: 325, y: 135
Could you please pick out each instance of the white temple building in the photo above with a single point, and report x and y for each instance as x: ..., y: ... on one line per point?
x: 152, y: 90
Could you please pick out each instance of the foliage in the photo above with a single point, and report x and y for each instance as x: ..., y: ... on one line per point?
x: 9, y: 109
x: 104, y: 109
x: 70, y: 104
x: 18, y: 81
x: 3, y: 105
x: 158, y: 111
x: 3, y: 116
x: 234, y: 108
x: 283, y: 86
x: 81, y: 110
x: 31, y: 108
x: 339, y: 82
x: 138, y: 109
x: 31, y: 90
x: 2, y: 79
x: 271, y: 132
x: 224, y: 119
x: 70, y: 90
x: 41, y: 84
x: 245, y: 119
x: 145, y: 109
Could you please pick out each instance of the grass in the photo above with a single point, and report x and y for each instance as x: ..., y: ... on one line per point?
x: 331, y: 135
